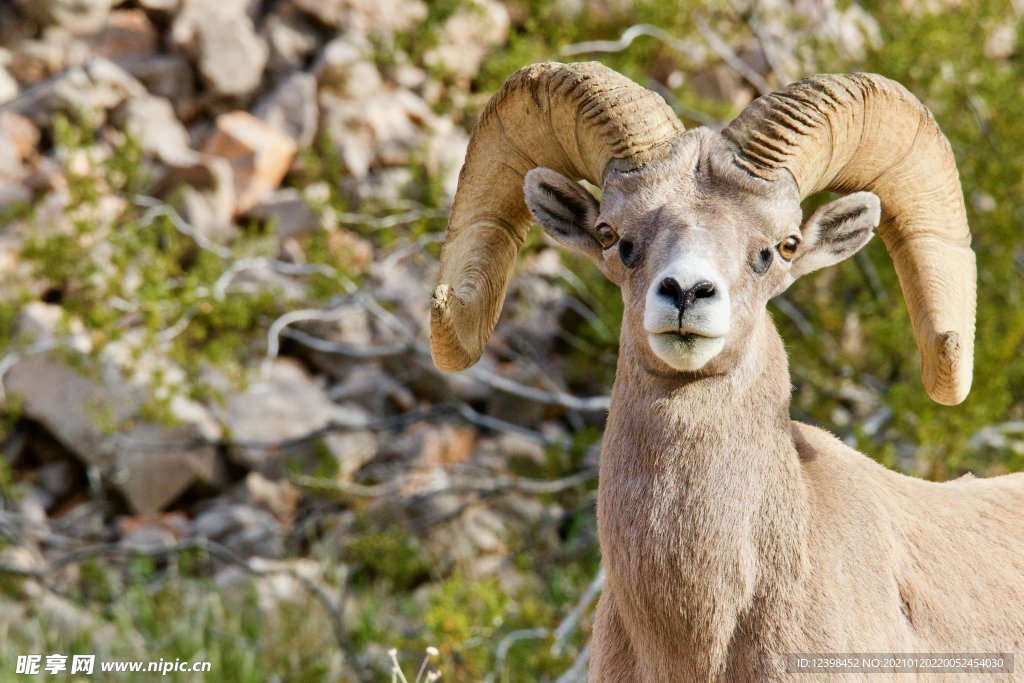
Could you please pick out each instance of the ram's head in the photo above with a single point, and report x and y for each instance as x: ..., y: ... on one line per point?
x: 700, y: 229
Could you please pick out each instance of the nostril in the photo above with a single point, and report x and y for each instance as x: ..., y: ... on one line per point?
x: 670, y: 289
x: 703, y: 290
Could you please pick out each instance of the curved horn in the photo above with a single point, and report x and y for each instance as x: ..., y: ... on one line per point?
x: 864, y: 132
x: 572, y: 118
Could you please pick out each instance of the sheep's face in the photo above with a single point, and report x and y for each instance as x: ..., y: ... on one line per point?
x: 697, y: 245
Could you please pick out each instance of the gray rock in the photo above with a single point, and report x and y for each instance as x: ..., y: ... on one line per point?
x: 207, y: 201
x: 368, y: 385
x: 382, y: 127
x: 290, y: 212
x: 345, y: 65
x: 151, y: 121
x: 149, y: 536
x: 156, y: 464
x: 283, y: 404
x: 242, y: 528
x: 57, y: 478
x: 292, y: 107
x: 12, y: 193
x: 220, y: 37
x: 100, y: 86
x: 168, y: 76
x: 150, y: 464
x: 292, y: 39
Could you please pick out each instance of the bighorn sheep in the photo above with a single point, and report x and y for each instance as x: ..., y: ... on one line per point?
x: 730, y: 534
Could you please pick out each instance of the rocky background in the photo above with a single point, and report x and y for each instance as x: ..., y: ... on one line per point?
x: 219, y: 228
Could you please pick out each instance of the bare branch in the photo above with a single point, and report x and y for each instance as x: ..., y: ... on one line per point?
x: 572, y: 619
x: 577, y: 673
x: 627, y: 38
x: 593, y: 404
x: 384, y: 222
x: 456, y: 483
x: 343, y: 349
x: 682, y: 110
x: 726, y: 53
x: 767, y: 42
x: 156, y: 208
x: 999, y: 436
x: 506, y: 643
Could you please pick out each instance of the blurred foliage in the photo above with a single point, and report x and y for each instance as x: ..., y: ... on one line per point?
x: 152, y: 611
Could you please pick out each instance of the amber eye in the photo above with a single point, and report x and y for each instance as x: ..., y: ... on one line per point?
x: 606, y: 235
x: 787, y: 247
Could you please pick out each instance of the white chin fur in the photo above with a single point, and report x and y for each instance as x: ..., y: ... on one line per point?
x: 685, y: 354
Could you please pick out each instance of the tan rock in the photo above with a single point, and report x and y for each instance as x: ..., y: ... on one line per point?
x: 77, y: 16
x: 21, y: 132
x: 8, y: 86
x: 279, y: 497
x: 351, y: 450
x: 259, y: 154
x: 371, y: 17
x: 127, y: 33
x: 445, y: 445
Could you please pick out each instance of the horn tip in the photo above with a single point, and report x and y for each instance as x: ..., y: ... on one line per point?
x: 952, y: 380
x: 446, y: 350
x: 948, y: 346
x: 440, y: 300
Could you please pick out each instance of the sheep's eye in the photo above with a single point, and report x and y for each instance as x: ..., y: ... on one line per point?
x: 763, y: 261
x: 627, y: 253
x: 787, y: 247
x: 607, y: 236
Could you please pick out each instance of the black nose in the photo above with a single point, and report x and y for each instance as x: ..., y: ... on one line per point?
x: 683, y: 298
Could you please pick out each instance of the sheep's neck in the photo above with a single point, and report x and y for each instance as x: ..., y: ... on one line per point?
x: 702, y: 511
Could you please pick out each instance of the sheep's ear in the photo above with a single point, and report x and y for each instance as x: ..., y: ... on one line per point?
x: 564, y: 209
x: 836, y: 231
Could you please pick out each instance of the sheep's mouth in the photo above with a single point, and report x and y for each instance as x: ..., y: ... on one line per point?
x: 683, y: 335
x: 685, y: 349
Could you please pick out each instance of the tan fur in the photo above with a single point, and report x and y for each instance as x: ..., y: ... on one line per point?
x: 732, y: 535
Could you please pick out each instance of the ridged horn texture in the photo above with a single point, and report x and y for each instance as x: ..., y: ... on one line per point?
x: 855, y: 132
x: 572, y: 118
